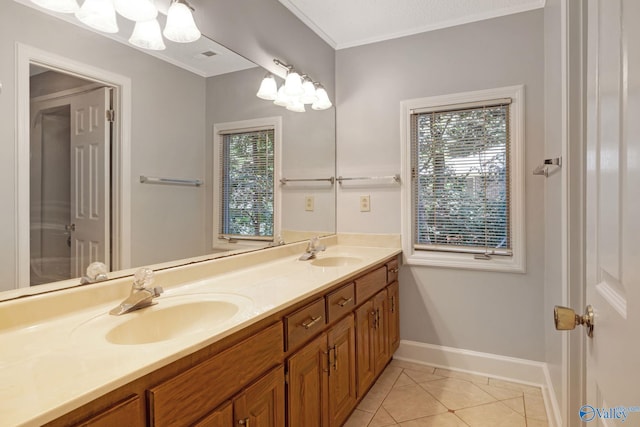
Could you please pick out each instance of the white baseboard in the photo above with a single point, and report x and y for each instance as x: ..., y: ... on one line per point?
x: 507, y: 368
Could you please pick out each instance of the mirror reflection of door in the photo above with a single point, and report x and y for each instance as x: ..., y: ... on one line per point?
x: 69, y: 175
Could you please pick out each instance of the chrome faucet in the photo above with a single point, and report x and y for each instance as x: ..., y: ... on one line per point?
x: 96, y: 272
x: 141, y: 296
x: 313, y: 247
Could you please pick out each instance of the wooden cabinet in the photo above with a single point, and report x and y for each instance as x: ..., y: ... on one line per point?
x: 366, y: 364
x: 393, y: 317
x: 262, y: 404
x: 322, y: 384
x: 220, y: 417
x: 380, y: 341
x: 123, y: 413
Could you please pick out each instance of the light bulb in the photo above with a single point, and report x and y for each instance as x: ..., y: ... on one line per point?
x: 293, y: 84
x: 309, y: 96
x: 268, y: 88
x: 98, y: 14
x: 323, y: 101
x: 281, y: 99
x: 296, y: 105
x: 137, y: 10
x: 62, y: 6
x: 181, y: 28
x: 147, y: 35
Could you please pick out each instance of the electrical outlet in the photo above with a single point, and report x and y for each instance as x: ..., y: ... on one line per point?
x: 308, y: 203
x: 365, y: 203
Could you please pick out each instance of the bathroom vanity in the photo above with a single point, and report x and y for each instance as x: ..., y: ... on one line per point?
x: 306, y: 348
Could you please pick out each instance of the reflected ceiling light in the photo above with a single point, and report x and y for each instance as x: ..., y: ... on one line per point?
x: 309, y: 95
x: 147, y: 35
x: 99, y: 15
x: 295, y: 92
x: 62, y: 6
x: 268, y: 88
x: 181, y: 28
x: 323, y: 102
x: 137, y: 10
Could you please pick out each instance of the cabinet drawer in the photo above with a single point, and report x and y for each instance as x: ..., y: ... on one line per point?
x: 188, y: 397
x: 127, y: 412
x: 369, y: 284
x: 304, y: 323
x: 392, y: 271
x: 340, y: 302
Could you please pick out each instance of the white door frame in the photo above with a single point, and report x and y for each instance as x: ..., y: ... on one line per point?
x: 121, y: 153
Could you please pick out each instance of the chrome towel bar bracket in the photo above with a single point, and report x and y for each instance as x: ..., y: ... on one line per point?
x: 543, y: 169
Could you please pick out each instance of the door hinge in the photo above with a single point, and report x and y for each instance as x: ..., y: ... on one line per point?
x: 111, y: 116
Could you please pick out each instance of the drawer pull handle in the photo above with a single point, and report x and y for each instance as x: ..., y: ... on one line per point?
x: 393, y: 270
x: 345, y: 301
x: 309, y: 323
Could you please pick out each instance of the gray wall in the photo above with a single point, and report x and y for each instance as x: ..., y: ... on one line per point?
x: 491, y: 312
x: 168, y: 134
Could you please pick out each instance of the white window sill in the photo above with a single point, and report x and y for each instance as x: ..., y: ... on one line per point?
x: 463, y: 261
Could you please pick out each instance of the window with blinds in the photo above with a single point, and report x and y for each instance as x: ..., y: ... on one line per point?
x: 461, y: 178
x: 247, y: 184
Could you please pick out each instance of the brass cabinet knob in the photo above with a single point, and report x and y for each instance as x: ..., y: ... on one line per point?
x: 566, y: 319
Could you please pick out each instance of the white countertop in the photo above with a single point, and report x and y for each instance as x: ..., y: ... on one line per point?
x: 52, y: 363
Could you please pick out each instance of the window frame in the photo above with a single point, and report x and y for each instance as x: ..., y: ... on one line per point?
x: 219, y: 130
x: 514, y: 263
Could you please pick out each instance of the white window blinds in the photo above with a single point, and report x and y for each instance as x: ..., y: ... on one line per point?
x: 247, y: 184
x: 460, y: 170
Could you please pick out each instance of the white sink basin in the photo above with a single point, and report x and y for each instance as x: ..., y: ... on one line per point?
x: 171, y: 318
x: 336, y: 261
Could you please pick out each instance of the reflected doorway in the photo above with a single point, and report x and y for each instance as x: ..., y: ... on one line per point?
x: 71, y: 134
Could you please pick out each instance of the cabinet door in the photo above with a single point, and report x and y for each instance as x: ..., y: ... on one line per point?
x: 342, y: 370
x: 393, y: 292
x: 127, y: 412
x: 365, y: 317
x: 307, y: 385
x: 262, y: 404
x: 221, y: 417
x: 380, y: 331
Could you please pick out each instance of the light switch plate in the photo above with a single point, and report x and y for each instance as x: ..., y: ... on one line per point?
x: 308, y: 203
x: 365, y: 203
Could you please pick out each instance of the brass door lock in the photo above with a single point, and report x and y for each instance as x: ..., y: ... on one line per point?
x: 566, y: 319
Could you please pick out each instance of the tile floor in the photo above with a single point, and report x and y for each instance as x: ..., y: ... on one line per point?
x: 412, y: 395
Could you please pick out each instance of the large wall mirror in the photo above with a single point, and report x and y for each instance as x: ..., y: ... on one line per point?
x: 112, y: 154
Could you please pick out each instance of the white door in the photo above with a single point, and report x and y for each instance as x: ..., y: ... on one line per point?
x: 613, y: 213
x: 90, y: 178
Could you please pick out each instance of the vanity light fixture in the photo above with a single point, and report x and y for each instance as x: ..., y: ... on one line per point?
x: 268, y: 88
x: 181, y: 28
x: 62, y: 6
x: 147, y: 35
x: 137, y: 10
x: 99, y: 15
x: 296, y: 91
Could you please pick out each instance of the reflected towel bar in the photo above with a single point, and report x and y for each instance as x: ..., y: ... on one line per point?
x: 543, y: 169
x: 396, y: 178
x: 170, y: 181
x: 283, y: 181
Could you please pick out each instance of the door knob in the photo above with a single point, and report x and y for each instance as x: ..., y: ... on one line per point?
x: 566, y: 319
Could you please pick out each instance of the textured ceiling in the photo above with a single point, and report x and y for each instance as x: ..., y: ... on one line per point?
x: 348, y: 23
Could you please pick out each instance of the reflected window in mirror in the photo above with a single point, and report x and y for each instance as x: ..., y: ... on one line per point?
x: 246, y: 200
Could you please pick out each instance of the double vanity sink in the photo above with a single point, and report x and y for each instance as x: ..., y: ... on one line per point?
x: 64, y: 357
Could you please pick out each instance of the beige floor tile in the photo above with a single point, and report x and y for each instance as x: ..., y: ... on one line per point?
x: 358, y: 419
x: 501, y: 393
x: 491, y: 415
x: 462, y: 376
x: 389, y: 376
x: 421, y: 376
x: 404, y: 380
x: 442, y: 420
x: 536, y: 423
x: 411, y: 402
x: 373, y: 399
x: 527, y: 389
x: 534, y: 407
x: 457, y: 394
x: 410, y: 365
x: 382, y: 419
x: 516, y: 404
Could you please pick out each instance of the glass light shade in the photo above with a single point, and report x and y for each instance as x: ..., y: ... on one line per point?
x: 282, y: 99
x: 147, y: 35
x: 323, y: 101
x: 268, y: 88
x: 296, y: 105
x: 309, y: 96
x: 137, y: 10
x: 62, y: 6
x: 293, y: 84
x: 98, y: 14
x: 181, y: 28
